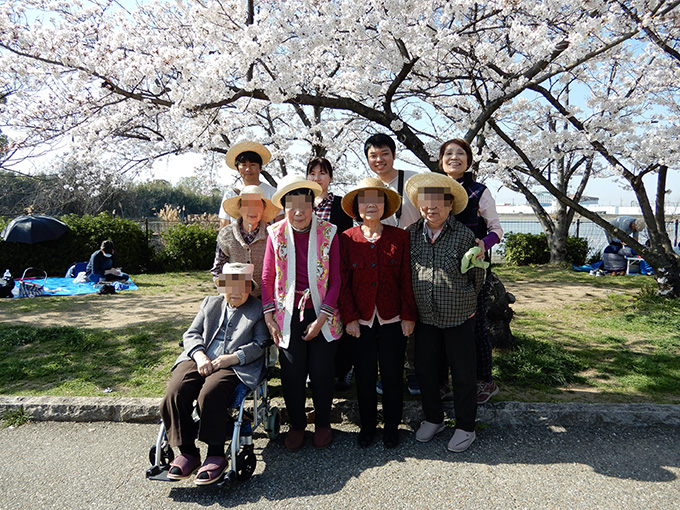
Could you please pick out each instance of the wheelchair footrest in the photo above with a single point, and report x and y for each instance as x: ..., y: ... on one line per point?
x: 158, y: 474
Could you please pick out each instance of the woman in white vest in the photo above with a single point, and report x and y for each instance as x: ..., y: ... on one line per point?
x: 300, y: 289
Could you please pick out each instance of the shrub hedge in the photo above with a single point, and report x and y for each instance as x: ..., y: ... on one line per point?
x: 191, y: 246
x: 187, y: 247
x: 525, y: 249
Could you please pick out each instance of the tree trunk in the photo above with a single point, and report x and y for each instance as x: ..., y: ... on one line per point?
x: 659, y: 254
x: 499, y: 314
x: 557, y: 242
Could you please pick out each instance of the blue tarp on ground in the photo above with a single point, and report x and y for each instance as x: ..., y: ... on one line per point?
x: 67, y: 287
x: 645, y: 269
x: 588, y: 267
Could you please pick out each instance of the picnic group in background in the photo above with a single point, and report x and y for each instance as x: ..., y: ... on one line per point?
x: 389, y: 280
x: 618, y: 257
x: 103, y: 265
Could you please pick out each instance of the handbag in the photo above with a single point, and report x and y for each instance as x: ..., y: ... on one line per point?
x: 29, y: 288
x: 6, y: 285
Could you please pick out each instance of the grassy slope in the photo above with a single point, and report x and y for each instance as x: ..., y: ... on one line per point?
x: 623, y: 348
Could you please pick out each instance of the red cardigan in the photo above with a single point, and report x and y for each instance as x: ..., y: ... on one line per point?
x: 376, y: 274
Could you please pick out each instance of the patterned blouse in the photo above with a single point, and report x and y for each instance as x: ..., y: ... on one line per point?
x: 323, y: 210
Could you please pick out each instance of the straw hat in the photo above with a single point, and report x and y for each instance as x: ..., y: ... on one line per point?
x: 436, y: 180
x: 231, y: 205
x: 240, y: 268
x: 292, y: 182
x: 367, y: 183
x: 247, y: 146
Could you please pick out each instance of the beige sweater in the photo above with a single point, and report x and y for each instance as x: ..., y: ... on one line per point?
x: 232, y: 248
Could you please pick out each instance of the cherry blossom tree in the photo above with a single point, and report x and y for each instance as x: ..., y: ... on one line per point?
x: 170, y: 77
x: 627, y: 122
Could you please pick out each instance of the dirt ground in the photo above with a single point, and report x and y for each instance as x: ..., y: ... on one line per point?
x: 542, y: 297
x: 133, y: 308
x: 127, y: 308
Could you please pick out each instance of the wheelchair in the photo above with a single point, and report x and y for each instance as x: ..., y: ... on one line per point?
x: 254, y: 409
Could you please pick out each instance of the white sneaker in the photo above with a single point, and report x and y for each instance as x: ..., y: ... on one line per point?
x: 428, y: 430
x: 461, y: 441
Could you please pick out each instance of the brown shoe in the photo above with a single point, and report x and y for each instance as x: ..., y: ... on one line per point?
x: 295, y: 439
x: 322, y: 437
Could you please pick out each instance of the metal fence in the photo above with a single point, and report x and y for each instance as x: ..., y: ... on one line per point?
x: 595, y: 234
x: 155, y: 226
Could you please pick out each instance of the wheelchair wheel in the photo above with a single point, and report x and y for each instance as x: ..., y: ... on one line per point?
x: 245, y: 463
x: 167, y: 455
x: 273, y: 426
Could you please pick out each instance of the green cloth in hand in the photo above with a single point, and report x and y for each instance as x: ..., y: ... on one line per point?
x: 470, y: 260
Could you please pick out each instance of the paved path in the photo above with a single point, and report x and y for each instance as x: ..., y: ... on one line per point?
x: 50, y: 465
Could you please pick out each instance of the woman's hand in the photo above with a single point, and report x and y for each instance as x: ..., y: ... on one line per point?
x: 353, y: 328
x: 482, y: 247
x: 225, y: 361
x: 203, y: 364
x: 314, y: 327
x: 407, y: 327
x: 273, y: 328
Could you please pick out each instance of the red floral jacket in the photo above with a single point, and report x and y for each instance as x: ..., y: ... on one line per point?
x: 376, y: 274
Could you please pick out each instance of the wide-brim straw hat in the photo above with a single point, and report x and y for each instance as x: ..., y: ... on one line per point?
x: 247, y: 146
x: 436, y: 180
x: 370, y: 183
x: 232, y: 208
x: 292, y: 182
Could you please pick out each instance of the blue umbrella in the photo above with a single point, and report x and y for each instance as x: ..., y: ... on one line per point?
x: 34, y: 229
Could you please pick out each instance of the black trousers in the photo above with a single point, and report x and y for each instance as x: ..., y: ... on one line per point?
x: 344, y: 356
x: 459, y: 345
x: 314, y: 357
x: 212, y: 393
x: 482, y: 337
x: 382, y: 346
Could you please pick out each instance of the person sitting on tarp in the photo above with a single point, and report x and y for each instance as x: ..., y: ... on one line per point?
x: 614, y: 257
x: 103, y: 265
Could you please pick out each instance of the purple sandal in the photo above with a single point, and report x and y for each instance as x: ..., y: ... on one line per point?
x: 211, y: 471
x: 183, y: 467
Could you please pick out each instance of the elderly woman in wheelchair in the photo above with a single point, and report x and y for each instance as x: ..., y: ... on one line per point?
x: 223, y: 347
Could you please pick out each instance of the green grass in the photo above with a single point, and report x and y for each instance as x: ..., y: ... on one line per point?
x: 15, y: 418
x: 551, y: 275
x: 539, y: 364
x: 70, y: 361
x: 621, y: 348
